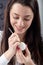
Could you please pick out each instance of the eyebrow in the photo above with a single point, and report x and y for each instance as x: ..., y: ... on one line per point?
x: 24, y: 16
x: 16, y: 14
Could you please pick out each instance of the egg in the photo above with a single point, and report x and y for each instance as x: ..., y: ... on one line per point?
x: 22, y: 46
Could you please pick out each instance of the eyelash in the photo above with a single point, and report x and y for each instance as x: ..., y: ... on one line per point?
x: 24, y: 18
x: 16, y: 17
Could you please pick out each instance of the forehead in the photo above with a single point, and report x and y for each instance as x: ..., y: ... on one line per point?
x: 20, y: 9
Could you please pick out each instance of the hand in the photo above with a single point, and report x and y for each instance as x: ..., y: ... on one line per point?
x: 13, y: 42
x: 24, y: 59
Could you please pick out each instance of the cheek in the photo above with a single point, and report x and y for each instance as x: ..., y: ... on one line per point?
x: 12, y: 21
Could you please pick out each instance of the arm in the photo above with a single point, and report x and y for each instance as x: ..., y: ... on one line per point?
x: 13, y: 43
x: 6, y: 57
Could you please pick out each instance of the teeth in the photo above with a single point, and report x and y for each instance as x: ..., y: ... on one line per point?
x: 22, y: 46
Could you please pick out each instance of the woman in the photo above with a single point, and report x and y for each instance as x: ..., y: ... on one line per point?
x: 22, y: 17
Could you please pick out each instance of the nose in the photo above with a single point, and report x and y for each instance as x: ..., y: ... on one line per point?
x: 20, y: 23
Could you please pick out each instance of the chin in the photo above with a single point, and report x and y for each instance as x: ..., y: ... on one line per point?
x: 20, y: 32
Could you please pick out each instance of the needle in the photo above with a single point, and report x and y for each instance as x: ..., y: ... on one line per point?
x: 10, y: 30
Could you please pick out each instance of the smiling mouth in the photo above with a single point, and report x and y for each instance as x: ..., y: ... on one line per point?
x: 20, y: 28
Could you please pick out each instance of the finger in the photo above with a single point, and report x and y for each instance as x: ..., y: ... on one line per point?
x: 14, y: 44
x: 22, y: 56
x: 18, y: 58
x: 14, y: 47
x: 14, y: 34
x: 27, y: 52
x: 13, y: 39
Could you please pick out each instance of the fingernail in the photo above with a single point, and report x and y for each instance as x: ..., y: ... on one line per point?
x: 17, y: 48
x: 26, y: 45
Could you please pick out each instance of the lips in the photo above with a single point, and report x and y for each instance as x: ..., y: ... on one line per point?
x: 19, y: 28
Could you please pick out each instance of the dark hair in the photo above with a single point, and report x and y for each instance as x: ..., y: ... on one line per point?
x: 33, y: 34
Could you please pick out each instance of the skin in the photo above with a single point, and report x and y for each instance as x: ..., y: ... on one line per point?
x: 20, y: 18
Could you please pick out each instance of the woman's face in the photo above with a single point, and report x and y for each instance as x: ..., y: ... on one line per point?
x: 21, y: 18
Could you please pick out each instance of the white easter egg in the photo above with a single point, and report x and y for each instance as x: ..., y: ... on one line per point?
x: 22, y: 46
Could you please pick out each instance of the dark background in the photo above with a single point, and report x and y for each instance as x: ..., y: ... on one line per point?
x: 2, y: 7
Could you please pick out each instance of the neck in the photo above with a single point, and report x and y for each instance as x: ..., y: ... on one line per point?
x: 21, y: 36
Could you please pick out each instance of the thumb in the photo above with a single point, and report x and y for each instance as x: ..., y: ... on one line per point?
x: 27, y: 52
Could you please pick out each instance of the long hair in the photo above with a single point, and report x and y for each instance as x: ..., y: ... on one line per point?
x: 33, y: 34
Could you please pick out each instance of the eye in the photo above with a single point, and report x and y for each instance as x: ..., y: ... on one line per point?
x: 16, y: 17
x: 26, y: 19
